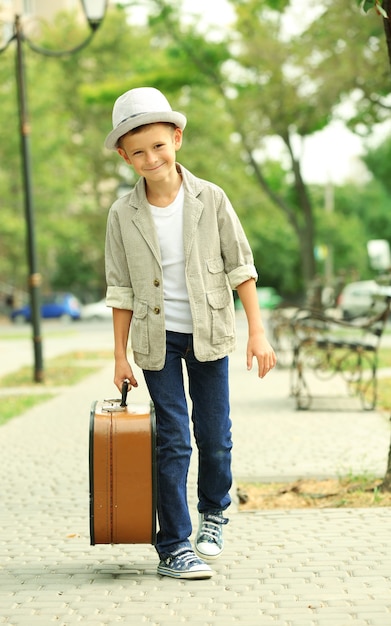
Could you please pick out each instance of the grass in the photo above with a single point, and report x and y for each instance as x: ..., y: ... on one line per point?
x: 347, y: 360
x: 61, y: 371
x: 348, y: 491
x: 384, y: 394
x: 384, y: 357
x: 67, y: 369
x: 12, y: 406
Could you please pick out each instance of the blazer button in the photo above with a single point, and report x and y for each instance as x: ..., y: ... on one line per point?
x: 157, y: 310
x: 156, y: 282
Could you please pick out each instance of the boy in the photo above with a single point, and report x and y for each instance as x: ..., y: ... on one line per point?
x: 175, y: 249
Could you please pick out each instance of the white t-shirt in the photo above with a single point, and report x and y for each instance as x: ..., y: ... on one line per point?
x: 169, y: 225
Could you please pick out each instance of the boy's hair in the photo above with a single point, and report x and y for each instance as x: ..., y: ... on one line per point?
x: 139, y: 129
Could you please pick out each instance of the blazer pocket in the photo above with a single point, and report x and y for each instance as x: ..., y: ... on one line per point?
x: 223, y: 323
x: 216, y: 265
x: 139, y: 328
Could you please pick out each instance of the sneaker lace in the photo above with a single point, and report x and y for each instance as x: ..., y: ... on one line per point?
x: 211, y: 527
x: 185, y: 557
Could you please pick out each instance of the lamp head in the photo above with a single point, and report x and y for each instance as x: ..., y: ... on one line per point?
x: 94, y: 10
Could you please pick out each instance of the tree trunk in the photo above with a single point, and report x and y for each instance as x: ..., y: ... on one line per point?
x: 387, y: 26
x: 307, y: 259
x: 386, y: 484
x: 303, y: 225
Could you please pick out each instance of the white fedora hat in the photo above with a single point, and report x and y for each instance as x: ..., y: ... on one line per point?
x: 143, y: 105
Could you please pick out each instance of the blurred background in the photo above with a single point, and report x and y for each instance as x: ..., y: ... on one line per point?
x: 288, y: 110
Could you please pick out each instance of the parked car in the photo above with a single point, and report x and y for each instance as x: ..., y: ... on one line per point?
x: 268, y: 298
x: 357, y: 299
x: 63, y: 306
x: 96, y: 311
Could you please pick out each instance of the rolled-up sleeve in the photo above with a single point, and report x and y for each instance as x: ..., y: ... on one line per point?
x: 241, y: 274
x: 119, y: 292
x: 119, y: 297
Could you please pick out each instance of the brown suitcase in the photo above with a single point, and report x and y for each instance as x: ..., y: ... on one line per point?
x: 122, y: 472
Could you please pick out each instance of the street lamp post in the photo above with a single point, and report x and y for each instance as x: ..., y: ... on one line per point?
x: 94, y: 12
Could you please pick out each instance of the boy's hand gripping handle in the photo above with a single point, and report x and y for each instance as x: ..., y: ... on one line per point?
x: 124, y: 392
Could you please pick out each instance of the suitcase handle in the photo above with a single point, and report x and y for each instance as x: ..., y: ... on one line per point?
x: 124, y: 392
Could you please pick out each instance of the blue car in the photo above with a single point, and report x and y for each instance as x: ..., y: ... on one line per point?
x: 63, y: 306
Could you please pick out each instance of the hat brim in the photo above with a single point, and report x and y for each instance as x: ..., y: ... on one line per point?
x: 172, y: 117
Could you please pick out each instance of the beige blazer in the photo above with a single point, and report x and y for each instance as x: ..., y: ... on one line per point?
x: 218, y: 258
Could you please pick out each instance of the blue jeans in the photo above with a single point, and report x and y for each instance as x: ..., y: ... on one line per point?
x: 209, y: 393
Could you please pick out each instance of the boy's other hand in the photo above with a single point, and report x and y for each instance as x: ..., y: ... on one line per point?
x: 259, y: 347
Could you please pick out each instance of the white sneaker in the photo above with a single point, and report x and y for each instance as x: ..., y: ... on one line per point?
x: 209, y: 542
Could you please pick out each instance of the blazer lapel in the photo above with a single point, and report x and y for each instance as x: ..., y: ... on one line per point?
x: 192, y: 212
x: 143, y: 220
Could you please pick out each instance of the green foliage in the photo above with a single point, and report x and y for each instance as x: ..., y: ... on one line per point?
x: 365, y: 211
x: 367, y: 5
x: 378, y: 161
x: 237, y: 92
x: 69, y: 167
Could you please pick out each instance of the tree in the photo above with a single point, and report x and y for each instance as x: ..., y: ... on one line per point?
x: 237, y: 93
x: 278, y: 87
x: 383, y: 8
x: 380, y: 165
x: 74, y: 182
x: 258, y: 60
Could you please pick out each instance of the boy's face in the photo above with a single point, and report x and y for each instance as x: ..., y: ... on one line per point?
x: 151, y: 151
